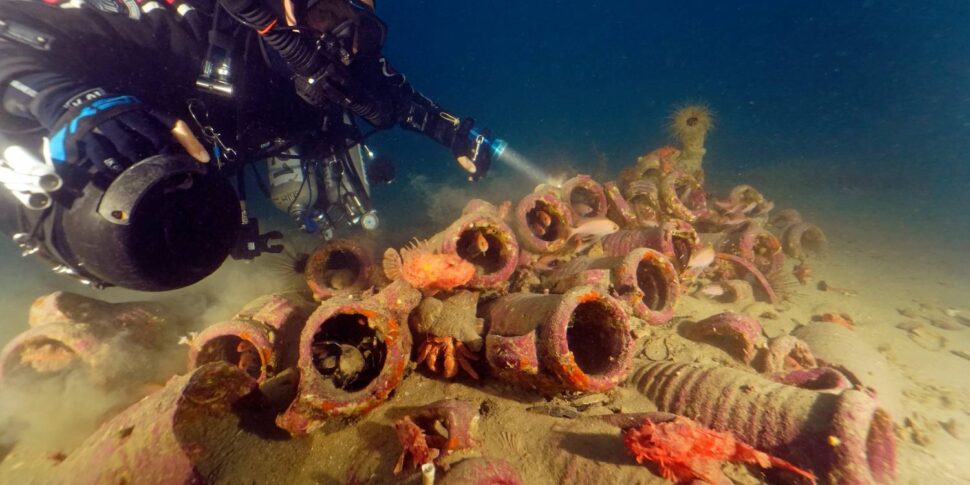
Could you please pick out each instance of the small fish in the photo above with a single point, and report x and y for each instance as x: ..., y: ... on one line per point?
x: 582, y: 209
x: 540, y: 222
x: 584, y: 243
x: 537, y: 229
x: 590, y: 232
x: 548, y: 262
x: 702, y: 259
x: 478, y: 246
x: 597, y: 226
x: 249, y: 359
x: 543, y: 219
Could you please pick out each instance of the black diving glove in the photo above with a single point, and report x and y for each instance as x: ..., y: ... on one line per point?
x: 113, y: 132
x: 468, y: 144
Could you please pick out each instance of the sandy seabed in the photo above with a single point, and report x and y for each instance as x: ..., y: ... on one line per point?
x: 912, y: 305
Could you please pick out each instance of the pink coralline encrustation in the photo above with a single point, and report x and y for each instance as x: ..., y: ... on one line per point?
x: 585, y: 197
x: 650, y: 166
x: 579, y: 341
x: 682, y: 197
x: 166, y: 437
x: 644, y: 198
x: 746, y: 269
x: 644, y: 279
x: 746, y: 201
x: 742, y: 333
x: 677, y: 240
x: 785, y: 353
x: 69, y: 331
x: 543, y: 222
x: 351, y: 355
x: 755, y: 244
x: 501, y: 211
x: 482, y: 238
x: 619, y: 210
x: 844, y: 438
x: 822, y: 379
x: 868, y: 369
x: 259, y: 339
x: 442, y: 432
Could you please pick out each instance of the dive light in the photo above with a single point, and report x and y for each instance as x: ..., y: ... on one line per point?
x: 496, y: 145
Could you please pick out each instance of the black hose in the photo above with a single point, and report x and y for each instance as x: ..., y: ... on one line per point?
x: 300, y: 54
x: 297, y: 50
x: 372, y: 111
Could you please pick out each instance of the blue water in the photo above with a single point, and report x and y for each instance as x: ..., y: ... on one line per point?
x: 857, y: 113
x: 865, y: 98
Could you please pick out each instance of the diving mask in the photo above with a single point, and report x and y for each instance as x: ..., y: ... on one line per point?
x: 361, y: 35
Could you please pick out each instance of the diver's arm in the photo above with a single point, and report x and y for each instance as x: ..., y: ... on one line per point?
x: 155, y: 56
x: 38, y: 95
x: 16, y: 63
x: 409, y: 108
x: 415, y: 111
x: 29, y: 81
x: 81, y: 74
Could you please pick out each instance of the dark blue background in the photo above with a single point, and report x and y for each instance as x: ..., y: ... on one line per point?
x: 872, y: 94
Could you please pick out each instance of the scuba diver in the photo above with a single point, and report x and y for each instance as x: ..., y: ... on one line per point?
x: 149, y: 111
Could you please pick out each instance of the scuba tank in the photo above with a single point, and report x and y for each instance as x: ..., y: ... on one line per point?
x: 292, y: 189
x: 319, y: 194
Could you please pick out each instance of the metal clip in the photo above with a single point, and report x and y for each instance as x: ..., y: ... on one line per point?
x: 479, y: 141
x: 26, y: 243
x: 215, y: 76
x: 200, y: 115
x: 64, y: 269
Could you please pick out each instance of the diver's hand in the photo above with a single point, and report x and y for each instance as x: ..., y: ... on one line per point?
x: 114, y: 131
x: 184, y: 136
x: 470, y: 149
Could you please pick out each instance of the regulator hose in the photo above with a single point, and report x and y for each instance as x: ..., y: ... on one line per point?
x: 302, y: 56
x: 298, y: 51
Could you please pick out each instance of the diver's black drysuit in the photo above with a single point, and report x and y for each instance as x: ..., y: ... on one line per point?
x: 110, y: 83
x: 154, y: 50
